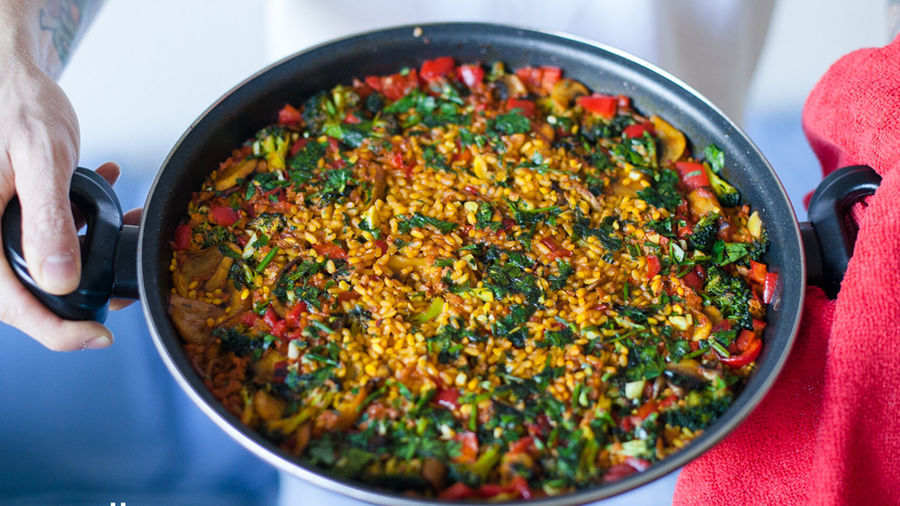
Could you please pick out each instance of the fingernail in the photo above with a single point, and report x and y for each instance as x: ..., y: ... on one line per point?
x: 58, y: 270
x: 96, y: 343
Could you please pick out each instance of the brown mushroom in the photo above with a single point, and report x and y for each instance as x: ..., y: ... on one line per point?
x: 194, y: 266
x: 564, y: 91
x: 673, y: 141
x: 190, y: 317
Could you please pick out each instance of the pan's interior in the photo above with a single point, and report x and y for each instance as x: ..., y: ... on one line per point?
x: 253, y: 104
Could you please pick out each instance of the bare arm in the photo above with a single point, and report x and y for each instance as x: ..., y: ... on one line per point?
x: 39, y: 142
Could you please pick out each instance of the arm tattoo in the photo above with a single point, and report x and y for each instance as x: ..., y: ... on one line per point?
x: 66, y: 20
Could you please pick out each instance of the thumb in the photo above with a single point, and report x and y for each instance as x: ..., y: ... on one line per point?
x: 48, y: 230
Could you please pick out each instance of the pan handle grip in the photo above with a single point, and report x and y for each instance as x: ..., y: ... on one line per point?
x: 108, y: 251
x: 830, y: 235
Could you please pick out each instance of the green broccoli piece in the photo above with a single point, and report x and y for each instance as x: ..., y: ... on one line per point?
x: 698, y: 417
x: 705, y: 233
x: 759, y: 247
x: 316, y: 112
x: 728, y: 195
x: 730, y: 295
x: 241, y: 344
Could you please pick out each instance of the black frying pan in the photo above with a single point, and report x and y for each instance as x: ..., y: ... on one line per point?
x: 110, y: 248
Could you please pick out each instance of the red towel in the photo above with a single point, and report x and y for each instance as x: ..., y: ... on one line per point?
x: 829, y: 430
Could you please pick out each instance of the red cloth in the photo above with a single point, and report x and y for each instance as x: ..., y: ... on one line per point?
x: 829, y: 430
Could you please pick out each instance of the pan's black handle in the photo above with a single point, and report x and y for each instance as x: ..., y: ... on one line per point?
x: 830, y: 235
x: 108, y: 251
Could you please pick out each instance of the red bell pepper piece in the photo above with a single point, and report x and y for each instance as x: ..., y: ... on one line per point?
x: 289, y: 115
x: 448, y: 398
x: 602, y: 105
x: 522, y: 445
x: 646, y: 409
x: 555, y: 249
x: 348, y: 295
x: 539, y: 78
x: 526, y: 106
x: 382, y: 245
x: 630, y: 466
x: 224, y: 215
x: 694, y: 279
x: 637, y: 130
x: 330, y: 250
x: 437, y: 68
x: 757, y: 272
x: 653, y: 266
x: 771, y: 282
x: 457, y: 491
x: 693, y: 174
x: 183, y: 234
x: 471, y: 190
x: 276, y: 324
x: 468, y: 451
x: 351, y: 119
x: 471, y: 75
x: 300, y: 144
x: 519, y: 485
x: 748, y: 346
x: 396, y: 86
x: 249, y: 318
x: 292, y: 317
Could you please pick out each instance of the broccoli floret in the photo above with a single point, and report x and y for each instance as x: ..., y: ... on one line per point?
x: 704, y: 234
x: 759, y: 247
x: 728, y: 195
x: 316, y: 111
x: 700, y: 416
x: 730, y: 295
x: 242, y: 345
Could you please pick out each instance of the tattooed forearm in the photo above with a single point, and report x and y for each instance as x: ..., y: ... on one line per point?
x: 65, y: 21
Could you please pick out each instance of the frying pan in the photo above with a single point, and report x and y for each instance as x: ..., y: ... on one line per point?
x: 110, y: 248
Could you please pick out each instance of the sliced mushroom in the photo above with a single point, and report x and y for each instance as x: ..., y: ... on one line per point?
x: 190, y: 317
x: 592, y: 200
x: 228, y: 176
x: 435, y: 472
x: 267, y: 406
x: 217, y: 280
x: 703, y: 202
x: 514, y: 85
x: 194, y: 266
x: 564, y: 91
x: 686, y: 374
x: 673, y: 141
x: 379, y: 180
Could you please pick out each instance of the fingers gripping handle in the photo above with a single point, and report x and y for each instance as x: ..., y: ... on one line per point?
x: 103, y: 251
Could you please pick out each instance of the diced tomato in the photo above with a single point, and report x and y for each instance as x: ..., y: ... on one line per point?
x: 468, y: 451
x: 758, y: 326
x: 394, y: 86
x: 293, y: 316
x: 555, y: 249
x: 249, y: 318
x: 668, y: 401
x: 637, y: 130
x: 330, y: 250
x: 653, y: 266
x: 437, y: 68
x: 601, y: 105
x: 624, y: 102
x: 693, y: 174
x: 692, y: 279
x: 757, y: 272
x: 471, y: 75
x: 747, y: 347
x: 526, y: 106
x: 448, y: 398
x: 289, y: 115
x: 351, y: 119
x: 646, y: 409
x: 519, y: 485
x: 722, y: 325
x: 769, y: 286
x: 276, y: 324
x: 522, y: 445
x: 457, y: 491
x: 300, y: 144
x: 224, y: 215
x: 630, y: 466
x: 382, y: 245
x: 183, y: 234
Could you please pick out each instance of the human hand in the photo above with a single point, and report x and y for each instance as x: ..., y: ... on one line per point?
x: 39, y: 142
